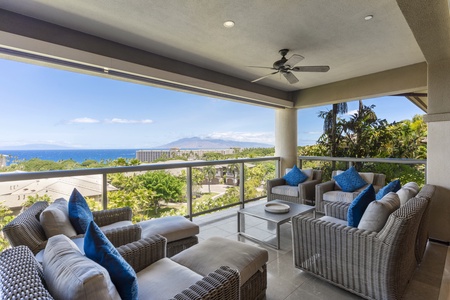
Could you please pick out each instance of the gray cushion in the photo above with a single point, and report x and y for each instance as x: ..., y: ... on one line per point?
x: 378, y: 211
x: 215, y: 252
x: 286, y: 190
x: 334, y: 220
x: 340, y: 196
x: 71, y: 275
x: 368, y: 177
x: 173, y: 228
x: 407, y: 192
x: 55, y: 219
x: 164, y: 279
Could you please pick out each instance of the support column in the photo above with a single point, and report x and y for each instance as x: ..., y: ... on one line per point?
x: 438, y: 161
x: 286, y: 137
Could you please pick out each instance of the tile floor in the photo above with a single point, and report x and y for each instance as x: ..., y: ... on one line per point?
x: 431, y: 281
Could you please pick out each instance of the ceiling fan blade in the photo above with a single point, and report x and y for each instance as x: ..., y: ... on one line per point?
x: 259, y: 67
x: 293, y: 60
x: 290, y: 77
x: 265, y: 76
x: 311, y: 69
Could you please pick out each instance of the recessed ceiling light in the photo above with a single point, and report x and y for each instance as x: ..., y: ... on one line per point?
x: 368, y: 17
x: 228, y: 24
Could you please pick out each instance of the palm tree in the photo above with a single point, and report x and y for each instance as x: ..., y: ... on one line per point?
x: 330, y: 126
x: 210, y: 173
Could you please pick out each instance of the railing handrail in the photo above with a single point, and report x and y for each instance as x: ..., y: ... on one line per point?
x: 16, y: 176
x: 375, y: 160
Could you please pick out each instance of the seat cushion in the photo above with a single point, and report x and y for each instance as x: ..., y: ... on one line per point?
x: 71, y: 275
x: 295, y: 176
x: 359, y: 205
x: 164, y: 279
x: 393, y: 186
x: 334, y: 220
x: 209, y: 255
x: 286, y: 190
x: 350, y: 180
x: 55, y: 219
x: 80, y: 214
x: 98, y: 248
x: 173, y: 228
x: 116, y: 225
x: 378, y: 211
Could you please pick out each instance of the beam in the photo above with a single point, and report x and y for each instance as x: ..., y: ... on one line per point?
x: 395, y: 81
x: 51, y: 42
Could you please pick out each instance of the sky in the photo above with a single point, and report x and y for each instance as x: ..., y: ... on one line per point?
x: 42, y: 105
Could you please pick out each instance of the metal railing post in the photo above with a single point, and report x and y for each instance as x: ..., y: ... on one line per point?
x: 241, y: 185
x: 300, y: 163
x: 105, y: 191
x: 189, y: 191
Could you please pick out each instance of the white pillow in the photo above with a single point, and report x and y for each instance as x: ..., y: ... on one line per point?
x: 71, y: 275
x: 407, y: 192
x: 309, y: 173
x: 55, y: 219
x: 378, y: 211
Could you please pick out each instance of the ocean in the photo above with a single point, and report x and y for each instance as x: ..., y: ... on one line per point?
x: 77, y: 155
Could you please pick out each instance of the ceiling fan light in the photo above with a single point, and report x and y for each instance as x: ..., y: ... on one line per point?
x: 228, y: 24
x: 368, y: 17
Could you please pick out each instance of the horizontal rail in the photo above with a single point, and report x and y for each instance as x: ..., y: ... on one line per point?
x: 408, y: 161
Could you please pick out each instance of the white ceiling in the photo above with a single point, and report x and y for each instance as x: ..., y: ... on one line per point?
x: 325, y: 32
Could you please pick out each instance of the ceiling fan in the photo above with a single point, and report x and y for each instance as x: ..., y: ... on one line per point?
x: 286, y: 67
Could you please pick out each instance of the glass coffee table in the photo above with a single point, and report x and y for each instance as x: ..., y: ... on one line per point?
x: 258, y: 211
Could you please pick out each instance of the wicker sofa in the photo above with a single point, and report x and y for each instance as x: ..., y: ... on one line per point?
x: 21, y: 276
x: 373, y: 265
x: 329, y: 191
x: 304, y: 193
x: 27, y: 230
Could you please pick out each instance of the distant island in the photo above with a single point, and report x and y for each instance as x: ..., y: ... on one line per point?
x: 206, y: 143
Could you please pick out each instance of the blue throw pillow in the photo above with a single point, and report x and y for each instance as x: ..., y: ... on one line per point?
x: 295, y: 176
x: 350, y: 180
x: 98, y: 248
x: 393, y: 186
x: 79, y: 213
x: 359, y: 205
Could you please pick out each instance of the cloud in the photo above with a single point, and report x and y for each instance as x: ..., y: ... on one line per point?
x: 109, y: 121
x: 84, y: 120
x: 126, y: 121
x: 351, y: 112
x: 255, y: 137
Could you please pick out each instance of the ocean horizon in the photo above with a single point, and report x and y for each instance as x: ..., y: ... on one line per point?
x: 78, y: 155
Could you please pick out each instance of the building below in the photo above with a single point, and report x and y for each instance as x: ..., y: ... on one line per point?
x: 152, y: 155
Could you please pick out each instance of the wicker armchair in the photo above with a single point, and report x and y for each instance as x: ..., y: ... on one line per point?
x: 370, y: 264
x: 304, y: 193
x: 330, y: 191
x: 21, y: 275
x: 25, y: 229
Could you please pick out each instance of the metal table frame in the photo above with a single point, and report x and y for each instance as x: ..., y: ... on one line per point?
x: 259, y: 212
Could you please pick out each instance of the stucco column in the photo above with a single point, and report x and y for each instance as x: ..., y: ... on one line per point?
x: 438, y: 157
x: 286, y: 137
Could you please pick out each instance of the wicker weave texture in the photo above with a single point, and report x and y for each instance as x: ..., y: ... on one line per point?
x: 176, y: 247
x: 19, y: 275
x: 26, y: 230
x: 222, y: 284
x: 110, y: 216
x: 371, y: 265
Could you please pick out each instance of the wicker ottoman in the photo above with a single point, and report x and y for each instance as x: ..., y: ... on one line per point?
x: 249, y: 260
x: 179, y: 232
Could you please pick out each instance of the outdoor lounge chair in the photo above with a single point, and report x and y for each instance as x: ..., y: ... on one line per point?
x: 27, y: 230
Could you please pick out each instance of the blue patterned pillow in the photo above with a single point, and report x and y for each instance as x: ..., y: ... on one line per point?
x: 393, y: 186
x: 295, y: 176
x: 98, y: 248
x: 79, y: 213
x: 359, y: 205
x: 350, y: 180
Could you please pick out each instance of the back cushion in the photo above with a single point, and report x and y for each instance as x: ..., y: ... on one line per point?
x: 378, y: 211
x: 71, y: 275
x: 368, y: 177
x: 407, y: 192
x: 55, y: 219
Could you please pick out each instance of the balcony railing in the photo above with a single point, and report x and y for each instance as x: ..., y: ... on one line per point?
x: 189, y: 165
